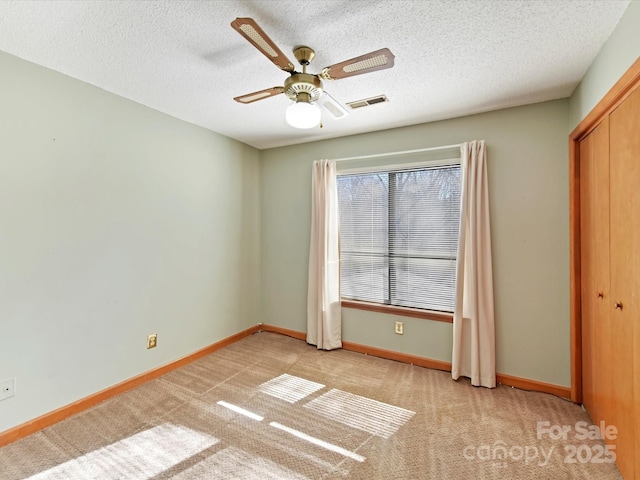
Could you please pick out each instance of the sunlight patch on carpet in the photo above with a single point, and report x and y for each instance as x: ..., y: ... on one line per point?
x: 141, y: 456
x: 240, y: 410
x: 289, y: 388
x: 363, y: 413
x: 321, y: 443
x: 233, y: 462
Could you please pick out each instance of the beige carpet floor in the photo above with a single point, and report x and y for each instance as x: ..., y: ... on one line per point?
x: 273, y: 407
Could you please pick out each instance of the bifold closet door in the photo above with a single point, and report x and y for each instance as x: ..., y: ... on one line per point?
x: 625, y: 277
x: 594, y: 251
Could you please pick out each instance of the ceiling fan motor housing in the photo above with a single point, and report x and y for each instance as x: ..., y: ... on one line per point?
x: 301, y: 85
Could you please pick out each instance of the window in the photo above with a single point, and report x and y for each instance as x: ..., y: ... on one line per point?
x: 399, y: 236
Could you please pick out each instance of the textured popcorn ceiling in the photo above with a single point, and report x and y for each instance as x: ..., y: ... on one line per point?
x: 183, y: 58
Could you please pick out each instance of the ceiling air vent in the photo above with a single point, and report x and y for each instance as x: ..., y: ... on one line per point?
x: 368, y: 101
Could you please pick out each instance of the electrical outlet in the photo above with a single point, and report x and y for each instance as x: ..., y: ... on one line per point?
x: 400, y: 328
x: 7, y: 388
x: 152, y: 341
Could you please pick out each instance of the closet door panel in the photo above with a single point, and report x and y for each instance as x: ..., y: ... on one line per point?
x: 625, y: 272
x: 594, y: 226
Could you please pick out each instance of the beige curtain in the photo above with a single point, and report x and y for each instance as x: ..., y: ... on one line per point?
x: 473, y: 321
x: 324, y: 315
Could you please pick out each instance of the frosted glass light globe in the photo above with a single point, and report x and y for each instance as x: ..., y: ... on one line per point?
x: 303, y: 115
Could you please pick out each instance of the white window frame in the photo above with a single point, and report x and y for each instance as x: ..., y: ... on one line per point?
x: 395, y: 309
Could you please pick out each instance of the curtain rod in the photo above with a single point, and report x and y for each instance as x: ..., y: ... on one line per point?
x: 403, y: 152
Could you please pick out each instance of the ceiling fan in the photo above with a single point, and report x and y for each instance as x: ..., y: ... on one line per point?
x: 302, y: 87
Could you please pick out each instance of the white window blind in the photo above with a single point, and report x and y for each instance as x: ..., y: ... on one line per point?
x: 399, y: 236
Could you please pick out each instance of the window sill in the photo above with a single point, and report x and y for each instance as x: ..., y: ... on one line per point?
x: 403, y: 311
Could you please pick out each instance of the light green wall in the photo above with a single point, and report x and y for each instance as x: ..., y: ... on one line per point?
x: 616, y: 56
x: 116, y: 221
x: 528, y: 177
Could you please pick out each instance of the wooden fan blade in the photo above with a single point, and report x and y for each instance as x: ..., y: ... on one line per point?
x: 259, y: 95
x: 250, y: 30
x: 370, y: 62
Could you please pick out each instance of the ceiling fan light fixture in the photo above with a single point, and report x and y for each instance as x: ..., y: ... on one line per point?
x: 303, y: 114
x: 303, y: 88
